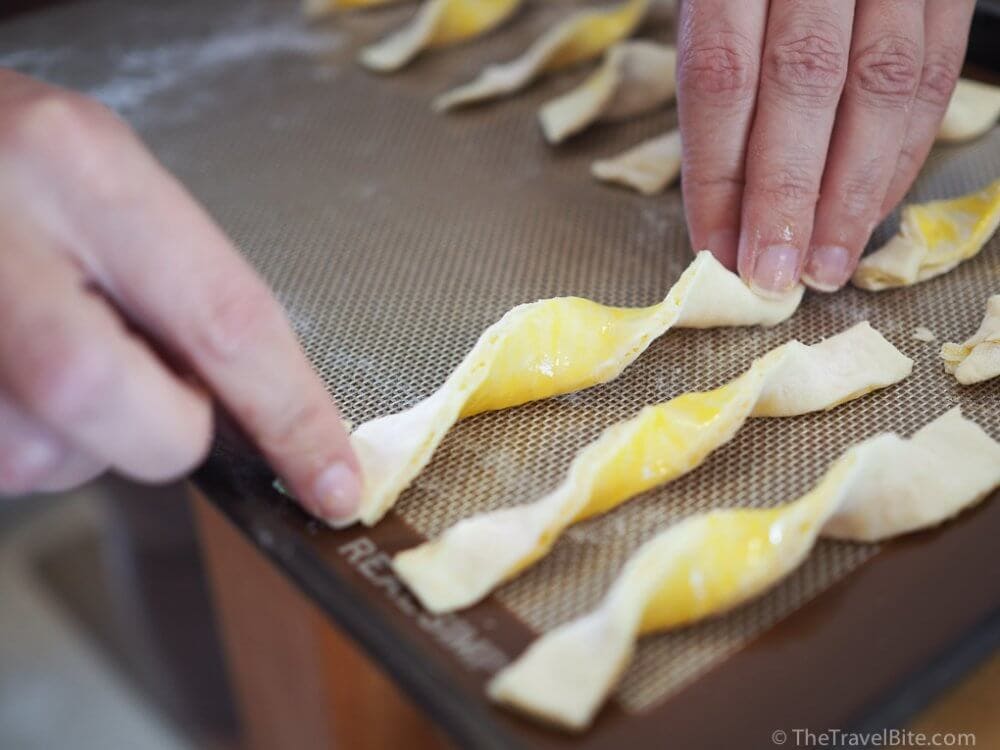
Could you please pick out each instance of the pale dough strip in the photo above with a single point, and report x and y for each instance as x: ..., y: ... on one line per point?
x: 649, y: 168
x: 710, y: 563
x: 658, y: 445
x: 581, y: 37
x: 544, y: 349
x: 978, y: 358
x: 438, y: 23
x: 636, y: 77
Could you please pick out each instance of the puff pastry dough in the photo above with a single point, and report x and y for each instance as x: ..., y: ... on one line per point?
x: 710, y: 563
x: 317, y: 8
x: 933, y: 238
x: 656, y: 446
x: 438, y: 23
x: 581, y: 37
x: 635, y: 77
x: 973, y: 109
x: 649, y: 168
x: 977, y: 359
x: 543, y: 349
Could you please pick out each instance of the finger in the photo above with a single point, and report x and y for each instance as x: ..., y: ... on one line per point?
x: 946, y: 33
x: 719, y: 45
x: 165, y: 262
x: 68, y: 362
x: 28, y: 451
x: 882, y: 78
x: 802, y: 76
x: 34, y: 459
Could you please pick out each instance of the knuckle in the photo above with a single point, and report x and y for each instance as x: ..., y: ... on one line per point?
x: 235, y: 313
x: 937, y: 80
x: 722, y: 66
x: 52, y: 116
x: 63, y: 378
x: 65, y: 131
x: 857, y: 197
x: 789, y: 186
x: 807, y: 65
x: 888, y: 70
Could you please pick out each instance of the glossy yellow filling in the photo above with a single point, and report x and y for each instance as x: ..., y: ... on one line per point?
x: 464, y: 19
x: 594, y: 33
x: 560, y: 345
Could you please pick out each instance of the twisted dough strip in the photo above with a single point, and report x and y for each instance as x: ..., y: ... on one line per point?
x: 978, y: 358
x: 438, y: 23
x: 933, y: 238
x: 543, y: 349
x: 635, y: 77
x: 649, y: 167
x: 656, y: 446
x: 319, y: 8
x: 710, y: 563
x: 581, y: 37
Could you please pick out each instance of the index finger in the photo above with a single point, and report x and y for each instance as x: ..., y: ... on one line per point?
x: 167, y: 265
x: 719, y: 45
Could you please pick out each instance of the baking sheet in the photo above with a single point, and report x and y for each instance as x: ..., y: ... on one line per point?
x: 394, y: 236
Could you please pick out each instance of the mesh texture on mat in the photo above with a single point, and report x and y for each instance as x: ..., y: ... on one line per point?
x: 394, y: 236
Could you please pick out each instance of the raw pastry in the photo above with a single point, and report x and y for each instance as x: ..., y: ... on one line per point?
x: 973, y: 109
x: 636, y: 77
x: 438, y: 23
x: 543, y: 349
x: 656, y: 446
x: 933, y: 238
x: 922, y: 333
x: 649, y: 167
x: 713, y: 562
x: 317, y: 8
x: 978, y: 359
x: 581, y: 37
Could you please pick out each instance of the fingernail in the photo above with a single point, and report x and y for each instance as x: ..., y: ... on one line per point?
x: 775, y: 270
x: 722, y: 243
x: 827, y: 268
x: 338, y: 491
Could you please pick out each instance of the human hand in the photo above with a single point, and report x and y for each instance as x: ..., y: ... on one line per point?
x: 125, y: 309
x: 805, y: 122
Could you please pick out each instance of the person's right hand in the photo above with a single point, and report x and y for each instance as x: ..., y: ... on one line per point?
x: 106, y: 267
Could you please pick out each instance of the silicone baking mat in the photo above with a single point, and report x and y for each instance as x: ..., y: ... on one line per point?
x: 394, y: 236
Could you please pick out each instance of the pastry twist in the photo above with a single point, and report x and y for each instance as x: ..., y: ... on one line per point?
x: 581, y: 37
x: 978, y: 358
x: 438, y: 23
x: 710, y: 563
x: 544, y: 349
x: 658, y: 445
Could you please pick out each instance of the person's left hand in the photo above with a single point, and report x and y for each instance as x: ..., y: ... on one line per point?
x: 804, y: 122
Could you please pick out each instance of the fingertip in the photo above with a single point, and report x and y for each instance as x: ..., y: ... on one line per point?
x: 337, y: 490
x: 828, y: 268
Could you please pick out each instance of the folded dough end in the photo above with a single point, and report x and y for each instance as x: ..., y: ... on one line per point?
x: 635, y: 77
x: 712, y: 296
x: 973, y: 110
x: 836, y: 370
x: 562, y: 678
x: 933, y: 238
x: 978, y: 358
x: 471, y: 558
x: 947, y: 466
x: 648, y: 168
